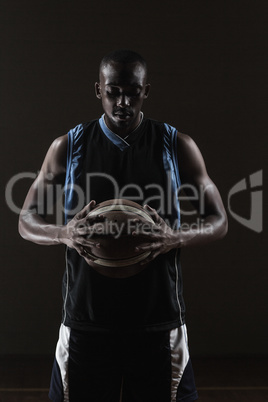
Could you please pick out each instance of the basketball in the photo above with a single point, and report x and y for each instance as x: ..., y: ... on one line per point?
x: 116, y: 256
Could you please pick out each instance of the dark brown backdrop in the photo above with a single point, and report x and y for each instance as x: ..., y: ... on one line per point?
x: 206, y: 62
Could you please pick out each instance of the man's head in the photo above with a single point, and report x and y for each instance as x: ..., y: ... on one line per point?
x: 122, y: 87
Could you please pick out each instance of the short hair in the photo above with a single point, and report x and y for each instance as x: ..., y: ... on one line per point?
x: 123, y: 56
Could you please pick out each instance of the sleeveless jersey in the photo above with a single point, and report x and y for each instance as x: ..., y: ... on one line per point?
x: 143, y: 168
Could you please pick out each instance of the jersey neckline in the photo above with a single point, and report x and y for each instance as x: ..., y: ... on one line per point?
x: 118, y: 141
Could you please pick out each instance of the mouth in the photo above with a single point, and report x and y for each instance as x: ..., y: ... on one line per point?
x: 122, y: 116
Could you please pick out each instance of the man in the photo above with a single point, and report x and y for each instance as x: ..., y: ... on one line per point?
x: 123, y: 336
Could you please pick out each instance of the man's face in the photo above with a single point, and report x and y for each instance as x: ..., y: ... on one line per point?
x: 122, y: 89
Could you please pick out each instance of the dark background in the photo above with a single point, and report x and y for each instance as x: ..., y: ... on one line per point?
x: 206, y: 65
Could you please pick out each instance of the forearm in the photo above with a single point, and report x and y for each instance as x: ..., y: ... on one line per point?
x: 35, y: 228
x: 202, y: 232
x: 162, y: 238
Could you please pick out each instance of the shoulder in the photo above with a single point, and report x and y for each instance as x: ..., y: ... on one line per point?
x: 185, y: 141
x: 59, y: 143
x: 187, y: 146
x: 55, y: 160
x: 190, y: 159
x: 59, y: 146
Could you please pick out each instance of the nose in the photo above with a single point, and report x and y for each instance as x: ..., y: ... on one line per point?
x: 123, y: 101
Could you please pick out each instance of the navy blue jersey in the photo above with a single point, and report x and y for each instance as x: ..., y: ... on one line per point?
x: 144, y: 168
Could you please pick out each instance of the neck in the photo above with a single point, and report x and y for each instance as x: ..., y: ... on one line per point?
x: 125, y: 132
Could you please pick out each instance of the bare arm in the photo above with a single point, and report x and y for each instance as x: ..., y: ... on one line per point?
x: 209, y: 203
x: 193, y: 175
x: 33, y: 225
x: 32, y: 221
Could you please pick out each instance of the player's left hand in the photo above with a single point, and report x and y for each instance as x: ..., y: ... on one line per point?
x: 159, y: 238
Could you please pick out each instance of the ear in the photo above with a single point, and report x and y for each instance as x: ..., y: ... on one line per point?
x: 147, y: 89
x: 97, y: 90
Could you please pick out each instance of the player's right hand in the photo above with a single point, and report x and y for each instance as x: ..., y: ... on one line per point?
x: 78, y: 233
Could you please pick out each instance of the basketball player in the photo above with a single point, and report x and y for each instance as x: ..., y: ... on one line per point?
x: 123, y: 339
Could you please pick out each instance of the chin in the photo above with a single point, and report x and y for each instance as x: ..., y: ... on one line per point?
x: 123, y: 123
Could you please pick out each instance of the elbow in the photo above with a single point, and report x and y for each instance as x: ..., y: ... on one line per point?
x: 21, y: 227
x: 223, y: 226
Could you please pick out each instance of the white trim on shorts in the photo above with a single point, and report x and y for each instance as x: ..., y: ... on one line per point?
x: 179, y: 354
x: 62, y: 358
x: 179, y: 357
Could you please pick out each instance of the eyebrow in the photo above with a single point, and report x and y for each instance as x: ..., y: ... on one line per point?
x: 114, y: 84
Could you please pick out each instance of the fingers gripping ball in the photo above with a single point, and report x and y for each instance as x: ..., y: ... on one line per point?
x: 116, y: 257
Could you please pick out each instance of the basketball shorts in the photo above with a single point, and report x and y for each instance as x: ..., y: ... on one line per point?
x: 122, y: 367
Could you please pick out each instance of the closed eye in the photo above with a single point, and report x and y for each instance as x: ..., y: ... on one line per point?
x: 114, y: 92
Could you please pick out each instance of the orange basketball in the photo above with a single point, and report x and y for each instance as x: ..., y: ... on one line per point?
x: 117, y: 256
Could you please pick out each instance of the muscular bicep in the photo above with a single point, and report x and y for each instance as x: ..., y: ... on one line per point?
x: 195, y: 179
x: 52, y: 174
